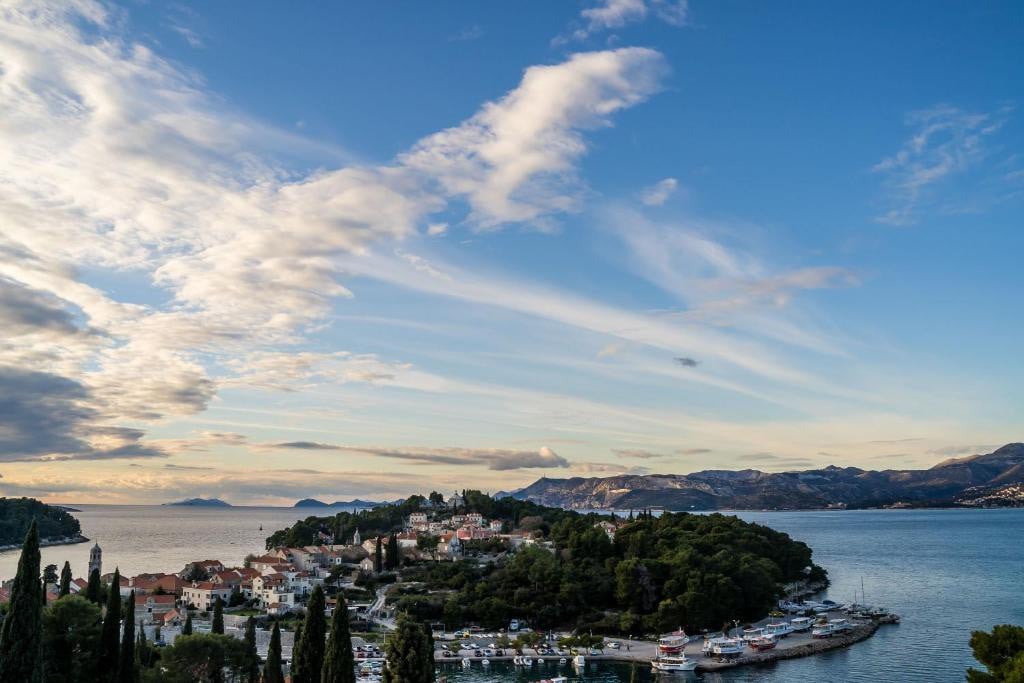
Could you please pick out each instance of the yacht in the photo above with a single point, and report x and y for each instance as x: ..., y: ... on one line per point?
x: 723, y: 647
x: 763, y: 643
x: 669, y: 664
x: 672, y: 644
x: 779, y: 629
x: 800, y: 624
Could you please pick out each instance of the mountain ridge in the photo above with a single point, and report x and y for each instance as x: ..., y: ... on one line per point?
x: 957, y: 481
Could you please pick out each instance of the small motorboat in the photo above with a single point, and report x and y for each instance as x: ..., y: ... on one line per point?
x: 540, y: 660
x: 779, y: 629
x: 466, y: 662
x: 562, y: 661
x: 800, y: 624
x: 486, y: 662
x: 517, y: 660
x: 579, y: 661
x: 764, y: 643
x: 527, y: 661
x: 671, y: 664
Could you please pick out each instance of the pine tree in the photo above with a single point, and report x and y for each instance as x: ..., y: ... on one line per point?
x: 378, y: 556
x: 338, y: 661
x: 21, y: 633
x: 65, y: 580
x: 109, y: 645
x: 186, y: 630
x: 126, y: 671
x: 309, y: 655
x: 217, y: 625
x: 142, y: 656
x: 94, y: 589
x: 272, y: 672
x: 410, y: 653
x: 252, y: 669
x: 392, y: 555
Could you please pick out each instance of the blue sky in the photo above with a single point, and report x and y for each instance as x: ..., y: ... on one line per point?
x: 377, y: 248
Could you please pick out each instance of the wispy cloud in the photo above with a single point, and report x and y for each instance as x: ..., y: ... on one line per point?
x: 608, y: 15
x: 659, y: 193
x: 494, y: 458
x: 947, y: 146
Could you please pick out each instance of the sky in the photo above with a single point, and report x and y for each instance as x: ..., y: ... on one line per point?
x: 263, y: 252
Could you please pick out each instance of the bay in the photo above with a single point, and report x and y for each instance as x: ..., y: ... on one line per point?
x: 946, y: 572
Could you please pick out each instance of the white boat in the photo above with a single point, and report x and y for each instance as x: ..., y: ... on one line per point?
x: 750, y: 633
x: 527, y: 661
x: 579, y: 661
x: 778, y: 629
x: 764, y: 643
x: 540, y: 660
x: 723, y: 647
x: 830, y: 628
x: 840, y: 625
x: 676, y: 663
x: 466, y: 661
x: 486, y: 662
x: 517, y: 660
x: 561, y: 661
x: 556, y: 679
x: 800, y: 624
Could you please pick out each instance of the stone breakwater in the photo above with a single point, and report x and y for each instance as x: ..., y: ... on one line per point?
x: 811, y: 646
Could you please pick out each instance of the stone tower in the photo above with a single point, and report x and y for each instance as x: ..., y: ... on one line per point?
x: 96, y: 559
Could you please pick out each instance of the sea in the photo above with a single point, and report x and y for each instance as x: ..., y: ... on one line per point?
x: 946, y: 572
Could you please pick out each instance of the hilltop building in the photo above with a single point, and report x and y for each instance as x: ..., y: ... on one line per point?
x: 96, y: 560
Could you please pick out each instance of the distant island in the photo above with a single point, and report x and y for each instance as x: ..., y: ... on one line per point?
x: 55, y: 525
x: 201, y: 502
x: 987, y: 480
x: 357, y: 503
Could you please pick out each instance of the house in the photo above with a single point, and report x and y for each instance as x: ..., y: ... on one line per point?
x: 475, y: 519
x: 496, y: 525
x: 607, y: 527
x: 154, y: 607
x: 204, y: 594
x: 171, y: 617
x: 418, y: 520
x: 450, y: 546
x: 210, y: 567
x: 267, y: 562
x: 274, y: 590
x: 157, y: 583
x: 407, y: 539
x: 367, y: 565
x: 228, y: 577
x: 78, y: 586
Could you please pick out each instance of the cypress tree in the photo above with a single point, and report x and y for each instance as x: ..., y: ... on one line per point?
x: 309, y: 655
x: 338, y: 661
x: 126, y: 672
x: 272, y: 672
x: 392, y: 556
x: 94, y: 589
x: 252, y: 667
x: 65, y: 580
x: 217, y: 625
x: 186, y: 630
x: 410, y: 653
x: 109, y: 646
x: 142, y: 650
x: 22, y: 631
x: 378, y: 556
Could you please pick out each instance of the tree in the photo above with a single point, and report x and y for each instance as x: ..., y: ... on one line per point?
x: 378, y: 556
x: 109, y: 655
x: 186, y: 629
x: 126, y: 671
x: 94, y: 589
x: 428, y: 543
x: 436, y: 498
x: 50, y: 574
x: 252, y: 669
x: 338, y: 661
x: 1002, y: 653
x: 392, y: 554
x: 309, y: 651
x: 143, y: 655
x: 410, y: 653
x: 71, y: 634
x: 65, y: 580
x: 217, y: 625
x: 272, y: 672
x: 202, y: 658
x: 21, y: 633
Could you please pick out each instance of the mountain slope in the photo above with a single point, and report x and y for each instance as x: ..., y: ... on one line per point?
x: 949, y: 482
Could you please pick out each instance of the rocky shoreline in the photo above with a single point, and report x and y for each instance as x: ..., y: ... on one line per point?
x: 46, y: 542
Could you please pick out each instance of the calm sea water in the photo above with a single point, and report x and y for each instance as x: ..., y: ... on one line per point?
x: 946, y: 572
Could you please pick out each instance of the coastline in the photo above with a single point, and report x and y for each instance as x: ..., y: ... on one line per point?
x: 47, y: 542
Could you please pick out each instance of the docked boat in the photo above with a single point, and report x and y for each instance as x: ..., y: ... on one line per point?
x: 750, y: 633
x: 723, y: 647
x: 562, y: 661
x: 517, y: 660
x: 831, y: 628
x: 527, y: 661
x: 779, y: 629
x: 466, y: 662
x: 672, y: 644
x: 764, y: 643
x: 540, y: 660
x: 800, y: 624
x: 675, y: 663
x: 579, y: 661
x: 486, y: 662
x: 556, y: 679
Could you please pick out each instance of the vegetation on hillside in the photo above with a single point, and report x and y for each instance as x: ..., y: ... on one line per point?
x: 1002, y: 653
x: 16, y: 514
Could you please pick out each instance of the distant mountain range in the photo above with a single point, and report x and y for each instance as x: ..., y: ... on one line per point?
x: 992, y: 479
x: 357, y: 503
x: 202, y: 502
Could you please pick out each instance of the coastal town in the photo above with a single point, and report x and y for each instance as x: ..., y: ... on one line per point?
x: 275, y: 585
